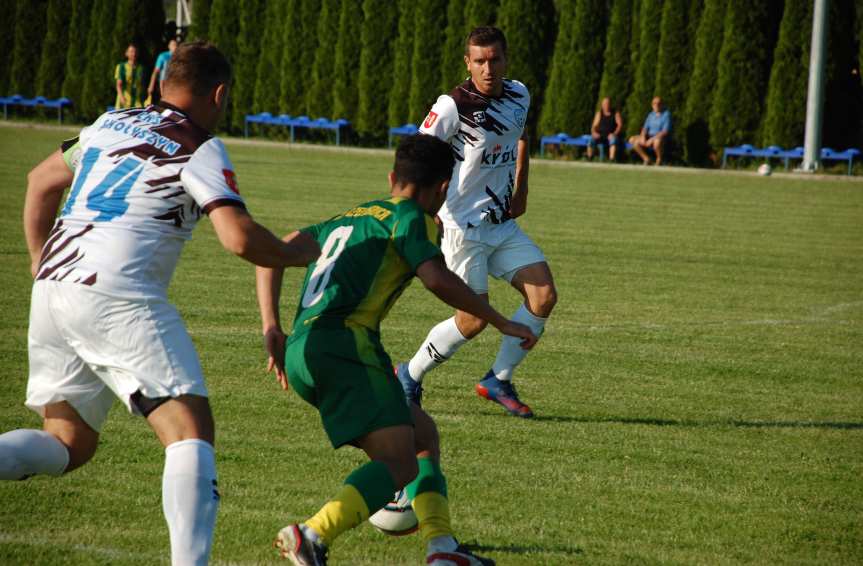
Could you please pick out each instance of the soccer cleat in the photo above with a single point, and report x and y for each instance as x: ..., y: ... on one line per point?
x: 461, y: 556
x: 293, y: 543
x: 503, y: 393
x: 413, y: 389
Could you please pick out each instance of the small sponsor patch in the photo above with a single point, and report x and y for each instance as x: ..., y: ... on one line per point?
x: 231, y: 180
x: 430, y: 120
x: 518, y: 114
x: 479, y: 116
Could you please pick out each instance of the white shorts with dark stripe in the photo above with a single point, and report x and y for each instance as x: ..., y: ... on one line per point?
x: 88, y: 348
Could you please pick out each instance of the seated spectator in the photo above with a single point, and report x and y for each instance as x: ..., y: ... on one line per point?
x: 607, y: 125
x: 130, y: 80
x: 654, y: 134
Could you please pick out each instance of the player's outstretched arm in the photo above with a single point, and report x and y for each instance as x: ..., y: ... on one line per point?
x: 45, y: 186
x: 453, y: 291
x: 241, y: 235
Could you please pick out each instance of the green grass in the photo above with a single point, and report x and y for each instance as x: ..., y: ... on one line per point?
x: 698, y: 389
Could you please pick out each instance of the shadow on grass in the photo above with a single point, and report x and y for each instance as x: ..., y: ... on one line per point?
x: 524, y: 549
x: 701, y: 424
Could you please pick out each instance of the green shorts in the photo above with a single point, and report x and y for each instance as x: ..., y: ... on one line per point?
x: 348, y: 376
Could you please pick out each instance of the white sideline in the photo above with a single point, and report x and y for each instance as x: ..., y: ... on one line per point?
x: 535, y: 162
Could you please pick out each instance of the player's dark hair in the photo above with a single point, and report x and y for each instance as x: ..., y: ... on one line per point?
x: 423, y: 160
x: 199, y: 66
x: 484, y: 36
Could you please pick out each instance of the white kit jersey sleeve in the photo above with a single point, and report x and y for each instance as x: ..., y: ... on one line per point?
x: 209, y: 177
x: 442, y: 120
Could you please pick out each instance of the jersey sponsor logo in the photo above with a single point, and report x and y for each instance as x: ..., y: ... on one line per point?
x: 378, y: 212
x: 231, y: 180
x: 430, y: 120
x: 479, y: 116
x: 499, y: 155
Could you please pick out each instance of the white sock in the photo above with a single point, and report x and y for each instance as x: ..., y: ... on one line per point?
x: 442, y: 342
x: 27, y: 452
x: 444, y: 543
x: 511, y: 353
x: 190, y: 500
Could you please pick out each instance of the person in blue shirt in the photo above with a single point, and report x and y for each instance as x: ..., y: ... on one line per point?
x: 654, y: 134
x: 160, y: 70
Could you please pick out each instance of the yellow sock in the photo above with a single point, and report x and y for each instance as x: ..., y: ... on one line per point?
x: 432, y: 511
x: 344, y: 511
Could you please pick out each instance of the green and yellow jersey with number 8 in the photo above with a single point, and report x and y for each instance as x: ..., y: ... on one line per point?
x: 368, y: 257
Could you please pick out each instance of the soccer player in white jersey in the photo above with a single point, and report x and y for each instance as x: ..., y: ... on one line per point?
x: 100, y: 323
x: 483, y: 119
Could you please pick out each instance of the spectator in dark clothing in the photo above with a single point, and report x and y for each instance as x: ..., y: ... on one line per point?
x: 607, y: 125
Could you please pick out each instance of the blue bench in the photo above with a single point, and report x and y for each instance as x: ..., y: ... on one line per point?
x: 286, y: 120
x: 786, y: 155
x: 406, y: 130
x: 565, y: 139
x: 18, y: 100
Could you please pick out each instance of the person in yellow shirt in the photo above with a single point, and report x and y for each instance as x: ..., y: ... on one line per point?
x: 129, y: 77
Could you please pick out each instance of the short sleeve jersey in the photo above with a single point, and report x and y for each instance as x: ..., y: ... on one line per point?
x: 162, y: 63
x: 143, y: 177
x: 483, y: 132
x: 368, y: 257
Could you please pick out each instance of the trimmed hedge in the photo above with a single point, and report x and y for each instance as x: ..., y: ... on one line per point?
x: 30, y: 23
x: 267, y: 83
x: 702, y: 83
x: 429, y: 24
x: 376, y: 64
x: 638, y: 103
x: 319, y: 97
x: 403, y: 48
x: 741, y: 75
x: 347, y: 61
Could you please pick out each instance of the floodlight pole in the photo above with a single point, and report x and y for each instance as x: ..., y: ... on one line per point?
x: 815, y: 97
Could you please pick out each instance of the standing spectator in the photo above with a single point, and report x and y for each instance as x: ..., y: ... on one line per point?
x: 607, y: 125
x: 160, y: 70
x: 130, y: 80
x: 654, y: 134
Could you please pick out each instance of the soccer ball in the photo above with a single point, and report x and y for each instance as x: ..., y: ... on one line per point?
x: 765, y: 170
x: 397, y: 517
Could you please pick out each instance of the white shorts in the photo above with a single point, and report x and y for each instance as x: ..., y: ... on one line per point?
x: 87, y: 348
x: 499, y: 250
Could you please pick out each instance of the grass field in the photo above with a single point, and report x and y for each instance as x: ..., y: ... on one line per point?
x: 699, y: 390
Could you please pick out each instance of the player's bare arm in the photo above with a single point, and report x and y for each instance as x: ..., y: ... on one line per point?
x: 518, y: 206
x: 268, y: 284
x: 242, y: 236
x: 45, y: 186
x: 453, y: 291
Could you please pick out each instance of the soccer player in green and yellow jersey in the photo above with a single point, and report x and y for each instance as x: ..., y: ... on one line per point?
x: 334, y: 358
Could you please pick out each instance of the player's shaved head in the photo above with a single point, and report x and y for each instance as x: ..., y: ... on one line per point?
x: 485, y: 36
x: 423, y: 161
x: 198, y: 66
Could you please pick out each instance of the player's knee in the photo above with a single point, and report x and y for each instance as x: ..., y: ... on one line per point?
x: 470, y: 326
x: 543, y: 300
